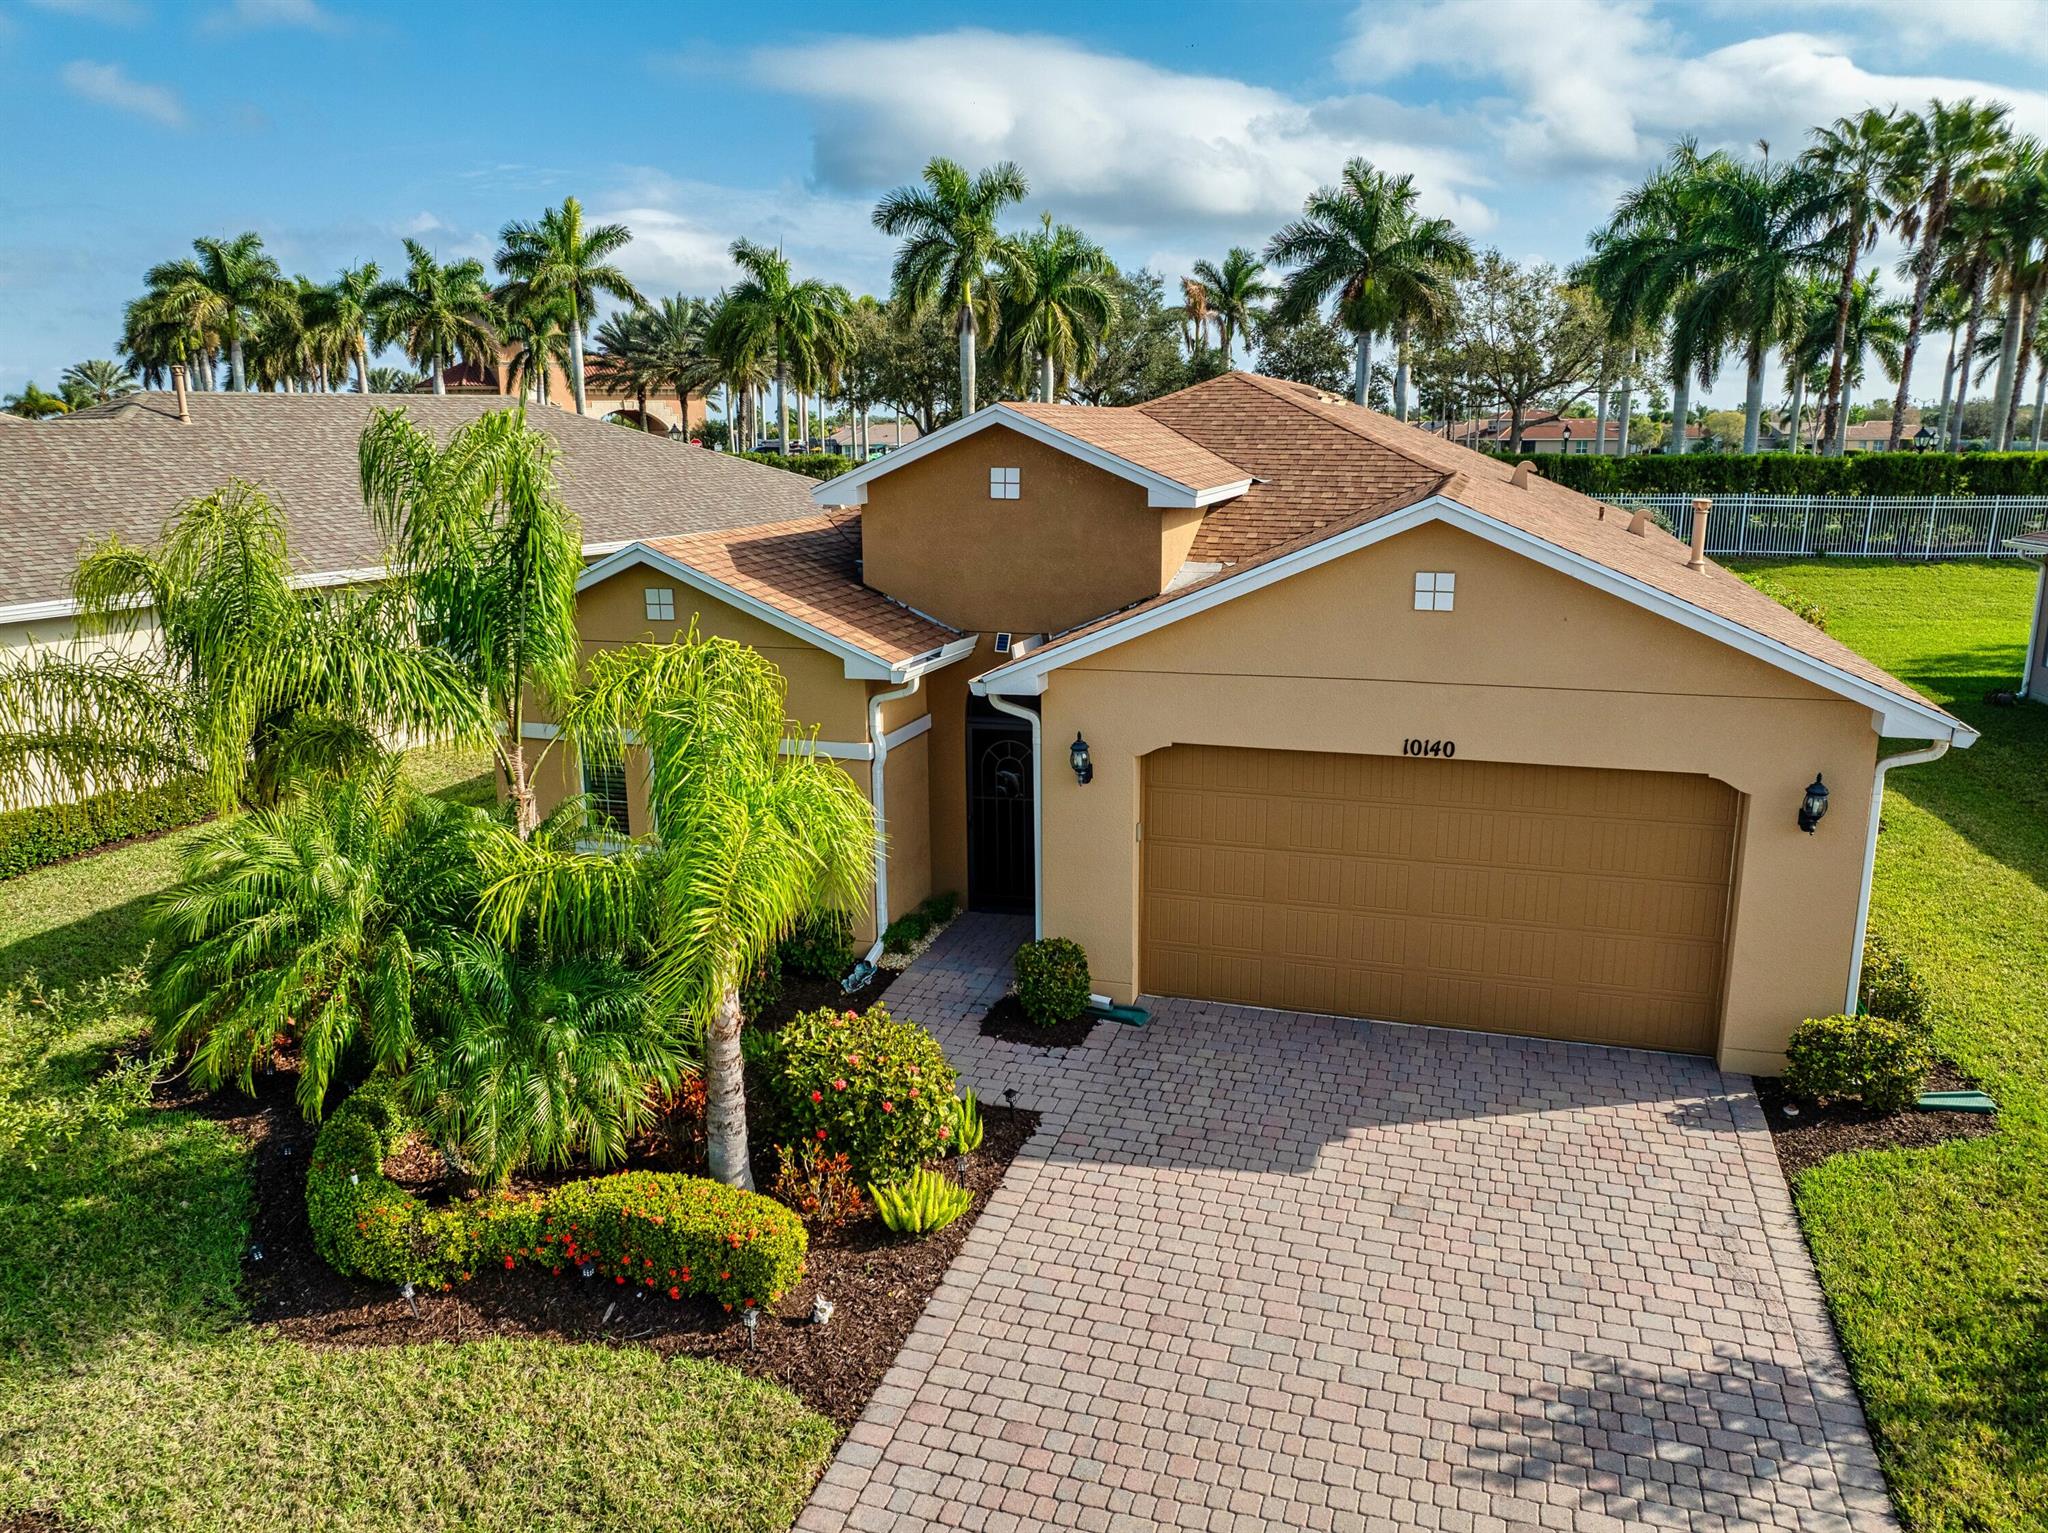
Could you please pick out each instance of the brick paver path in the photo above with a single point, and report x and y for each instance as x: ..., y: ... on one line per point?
x: 1274, y: 1271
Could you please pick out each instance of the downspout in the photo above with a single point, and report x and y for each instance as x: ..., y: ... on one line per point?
x: 2034, y: 626
x: 1933, y: 752
x: 1004, y: 705
x: 878, y: 793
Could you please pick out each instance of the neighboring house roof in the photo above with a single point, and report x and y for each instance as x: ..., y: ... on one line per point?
x: 1424, y: 477
x: 124, y: 467
x: 1877, y: 431
x: 1138, y: 437
x: 802, y: 576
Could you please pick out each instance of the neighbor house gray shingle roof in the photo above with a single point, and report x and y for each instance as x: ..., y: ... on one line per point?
x: 124, y: 467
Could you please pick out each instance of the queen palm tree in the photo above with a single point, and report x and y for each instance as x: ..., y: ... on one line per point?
x: 1758, y: 238
x: 769, y: 313
x: 754, y: 838
x: 34, y: 404
x: 952, y: 252
x: 1236, y: 291
x: 251, y: 681
x: 1057, y: 300
x: 437, y: 313
x: 97, y: 381
x: 2019, y: 222
x: 1944, y: 153
x: 1875, y: 324
x: 1857, y: 162
x: 482, y: 542
x: 1362, y: 242
x: 558, y: 257
x: 226, y: 288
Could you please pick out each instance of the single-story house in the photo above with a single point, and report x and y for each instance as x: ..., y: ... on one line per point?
x: 123, y: 467
x: 2034, y: 674
x: 1268, y: 700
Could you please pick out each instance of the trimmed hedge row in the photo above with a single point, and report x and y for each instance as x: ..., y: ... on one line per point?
x: 1777, y: 473
x: 675, y: 1234
x: 45, y: 833
x: 812, y: 465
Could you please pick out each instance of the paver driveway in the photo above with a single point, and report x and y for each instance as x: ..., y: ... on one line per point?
x: 1261, y: 1270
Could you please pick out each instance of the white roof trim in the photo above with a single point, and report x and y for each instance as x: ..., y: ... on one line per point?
x: 1898, y: 716
x: 851, y: 488
x: 859, y: 664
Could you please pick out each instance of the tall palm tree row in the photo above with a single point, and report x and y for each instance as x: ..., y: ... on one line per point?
x: 559, y: 257
x: 770, y: 313
x: 1057, y: 299
x: 224, y: 291
x: 435, y: 313
x: 1863, y: 183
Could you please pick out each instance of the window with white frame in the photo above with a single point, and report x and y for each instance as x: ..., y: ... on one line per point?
x: 606, y: 787
x: 661, y: 604
x: 1434, y: 590
x: 1003, y: 483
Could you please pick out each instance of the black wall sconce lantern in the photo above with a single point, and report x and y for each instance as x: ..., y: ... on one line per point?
x: 1814, y: 806
x: 1077, y: 754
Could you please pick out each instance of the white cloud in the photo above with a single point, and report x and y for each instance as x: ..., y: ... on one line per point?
x: 1604, y: 85
x: 110, y: 85
x: 275, y: 13
x: 1124, y: 146
x: 1912, y: 28
x: 682, y: 231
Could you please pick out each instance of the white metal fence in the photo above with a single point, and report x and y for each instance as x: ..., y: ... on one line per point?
x: 1879, y: 526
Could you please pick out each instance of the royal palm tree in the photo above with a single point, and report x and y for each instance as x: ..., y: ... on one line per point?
x: 251, y: 679
x: 34, y: 404
x: 1058, y: 298
x: 287, y: 349
x: 394, y: 380
x: 226, y: 288
x: 159, y: 333
x: 557, y: 257
x: 1857, y: 162
x: 484, y: 545
x: 323, y: 925
x: 1362, y: 242
x: 95, y: 382
x: 437, y: 313
x: 1236, y: 292
x: 675, y: 340
x: 952, y: 253
x: 1758, y: 238
x: 349, y: 312
x: 537, y: 332
x: 769, y: 313
x: 1943, y: 154
x: 619, y: 363
x: 2019, y: 244
x: 754, y: 837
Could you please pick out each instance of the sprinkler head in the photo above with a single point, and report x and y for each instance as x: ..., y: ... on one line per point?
x: 821, y: 1310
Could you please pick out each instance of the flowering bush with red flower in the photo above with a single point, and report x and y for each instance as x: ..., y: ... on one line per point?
x: 864, y: 1085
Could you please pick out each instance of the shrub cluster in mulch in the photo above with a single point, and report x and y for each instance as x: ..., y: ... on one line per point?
x: 1008, y: 1021
x: 1809, y: 1134
x: 878, y: 1282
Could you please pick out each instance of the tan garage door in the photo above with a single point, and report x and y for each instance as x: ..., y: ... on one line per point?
x: 1563, y: 902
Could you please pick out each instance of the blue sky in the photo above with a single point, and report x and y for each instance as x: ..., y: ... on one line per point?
x: 1168, y: 130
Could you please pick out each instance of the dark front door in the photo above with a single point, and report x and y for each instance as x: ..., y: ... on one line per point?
x: 999, y: 785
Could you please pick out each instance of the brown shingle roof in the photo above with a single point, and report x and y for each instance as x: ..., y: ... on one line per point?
x: 124, y: 466
x: 1139, y: 438
x: 809, y: 568
x: 1395, y: 466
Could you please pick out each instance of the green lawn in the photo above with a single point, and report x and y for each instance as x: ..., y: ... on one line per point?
x: 132, y: 1396
x: 1936, y: 1261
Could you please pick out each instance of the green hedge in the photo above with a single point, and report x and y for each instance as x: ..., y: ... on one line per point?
x: 1777, y: 473
x: 812, y: 465
x: 46, y: 833
x: 675, y: 1234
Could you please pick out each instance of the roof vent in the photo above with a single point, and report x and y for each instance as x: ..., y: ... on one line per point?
x: 1524, y: 472
x: 1639, y: 522
x: 1697, y: 559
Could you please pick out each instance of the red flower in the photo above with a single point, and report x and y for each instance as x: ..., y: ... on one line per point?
x: 619, y: 1279
x: 725, y: 1277
x: 817, y: 1096
x: 821, y: 1135
x: 508, y: 1264
x: 888, y: 1107
x: 675, y: 1293
x: 913, y: 1093
x: 839, y: 1085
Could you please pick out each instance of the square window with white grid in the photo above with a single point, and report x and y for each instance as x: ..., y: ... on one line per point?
x: 1434, y: 590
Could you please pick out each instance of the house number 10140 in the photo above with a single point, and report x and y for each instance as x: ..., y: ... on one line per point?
x: 1429, y: 748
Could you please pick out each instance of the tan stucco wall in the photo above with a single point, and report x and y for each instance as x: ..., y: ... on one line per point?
x: 1076, y: 543
x: 1531, y: 666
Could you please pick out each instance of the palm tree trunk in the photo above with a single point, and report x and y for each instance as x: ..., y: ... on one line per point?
x: 1798, y: 409
x: 2040, y: 398
x: 1923, y: 283
x: 440, y: 373
x: 1045, y: 376
x: 576, y: 350
x: 967, y: 336
x: 1944, y: 428
x: 1401, y: 371
x: 2024, y: 356
x: 1361, y: 368
x: 362, y: 365
x: 1842, y: 301
x: 1600, y: 417
x: 1627, y: 408
x: 2008, y: 356
x: 1753, y: 402
x: 782, y: 396
x: 235, y: 379
x: 725, y: 1095
x: 1681, y: 404
x: 1970, y: 328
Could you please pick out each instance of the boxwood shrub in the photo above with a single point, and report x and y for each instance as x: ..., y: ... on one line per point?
x: 1873, y: 1060
x: 820, y: 946
x: 1052, y: 980
x: 1891, y: 987
x: 676, y: 1234
x: 42, y: 834
x: 864, y: 1083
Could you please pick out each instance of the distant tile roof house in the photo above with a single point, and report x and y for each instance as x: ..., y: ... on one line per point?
x: 1270, y: 700
x: 122, y: 467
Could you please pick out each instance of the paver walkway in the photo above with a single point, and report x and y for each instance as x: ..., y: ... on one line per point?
x: 1261, y: 1271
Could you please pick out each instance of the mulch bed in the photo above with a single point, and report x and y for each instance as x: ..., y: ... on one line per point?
x: 1007, y: 1020
x: 1815, y: 1133
x: 800, y: 995
x: 878, y: 1282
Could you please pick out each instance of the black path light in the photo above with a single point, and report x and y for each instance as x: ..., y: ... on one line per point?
x: 1077, y: 754
x: 1814, y: 807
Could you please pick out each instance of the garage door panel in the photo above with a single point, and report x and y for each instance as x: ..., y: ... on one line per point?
x: 1563, y: 902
